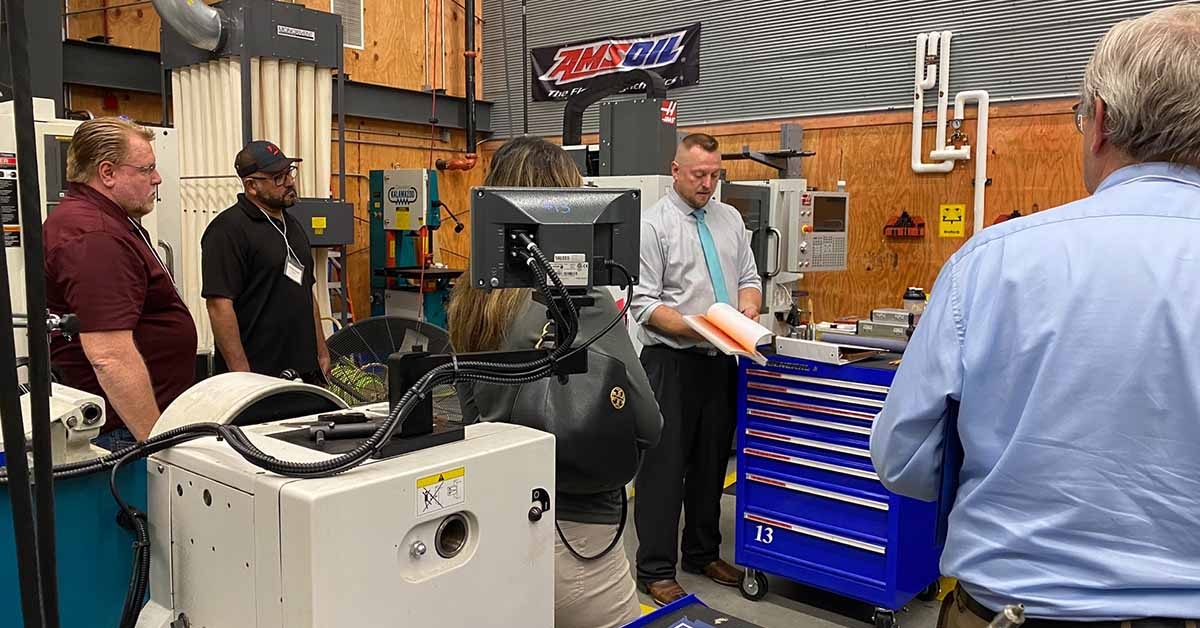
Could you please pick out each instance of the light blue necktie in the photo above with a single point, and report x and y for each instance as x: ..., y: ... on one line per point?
x: 710, y: 258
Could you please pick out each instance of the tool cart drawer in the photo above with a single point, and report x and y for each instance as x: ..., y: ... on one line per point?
x: 810, y: 504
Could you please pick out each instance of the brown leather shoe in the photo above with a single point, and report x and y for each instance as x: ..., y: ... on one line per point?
x: 663, y: 591
x: 719, y: 572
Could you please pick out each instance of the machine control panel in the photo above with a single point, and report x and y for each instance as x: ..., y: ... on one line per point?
x: 821, y: 222
x: 405, y: 199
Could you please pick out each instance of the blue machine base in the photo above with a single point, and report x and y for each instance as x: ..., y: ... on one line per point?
x: 95, y: 554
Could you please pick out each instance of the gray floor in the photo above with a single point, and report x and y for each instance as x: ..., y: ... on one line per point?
x: 787, y: 604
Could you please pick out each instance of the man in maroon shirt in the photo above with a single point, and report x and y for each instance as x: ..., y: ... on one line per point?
x: 137, y: 341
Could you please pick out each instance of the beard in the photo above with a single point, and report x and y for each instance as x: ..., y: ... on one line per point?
x: 283, y: 201
x: 143, y: 208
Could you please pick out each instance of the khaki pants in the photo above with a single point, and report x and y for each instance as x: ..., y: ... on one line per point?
x: 955, y: 614
x: 595, y: 593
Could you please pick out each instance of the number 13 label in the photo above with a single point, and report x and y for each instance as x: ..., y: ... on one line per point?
x: 766, y: 536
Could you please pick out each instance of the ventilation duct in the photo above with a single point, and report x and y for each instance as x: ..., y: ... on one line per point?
x: 197, y: 23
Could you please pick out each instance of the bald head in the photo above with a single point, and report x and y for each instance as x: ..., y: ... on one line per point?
x: 696, y: 169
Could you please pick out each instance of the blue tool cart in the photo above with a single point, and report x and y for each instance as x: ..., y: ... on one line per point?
x: 810, y: 506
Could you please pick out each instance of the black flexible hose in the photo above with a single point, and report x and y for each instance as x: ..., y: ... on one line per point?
x: 469, y: 370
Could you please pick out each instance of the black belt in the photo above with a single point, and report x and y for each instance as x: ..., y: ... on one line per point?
x: 703, y: 351
x: 982, y: 612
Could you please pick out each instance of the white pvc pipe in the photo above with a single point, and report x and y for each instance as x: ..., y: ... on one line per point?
x: 929, y: 78
x: 943, y: 90
x: 918, y: 165
x: 287, y: 107
x: 981, y: 141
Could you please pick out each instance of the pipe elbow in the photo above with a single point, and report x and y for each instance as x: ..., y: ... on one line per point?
x: 197, y: 23
x: 951, y: 154
x: 464, y: 163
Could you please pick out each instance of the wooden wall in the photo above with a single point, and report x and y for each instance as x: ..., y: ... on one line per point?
x: 1033, y: 161
x: 1033, y: 152
x: 393, y: 54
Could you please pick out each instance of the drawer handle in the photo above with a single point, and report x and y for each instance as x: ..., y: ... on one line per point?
x: 820, y: 381
x: 863, y: 545
x: 804, y: 462
x: 809, y: 443
x: 799, y: 392
x: 800, y: 488
x: 792, y: 405
x: 841, y: 427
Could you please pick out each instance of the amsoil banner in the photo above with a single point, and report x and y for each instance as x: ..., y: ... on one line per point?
x: 560, y: 72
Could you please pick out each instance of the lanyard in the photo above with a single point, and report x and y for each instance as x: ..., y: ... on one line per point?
x: 291, y: 254
x: 142, y: 235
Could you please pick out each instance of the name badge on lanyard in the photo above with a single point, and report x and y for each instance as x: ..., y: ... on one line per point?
x: 292, y: 268
x: 294, y: 271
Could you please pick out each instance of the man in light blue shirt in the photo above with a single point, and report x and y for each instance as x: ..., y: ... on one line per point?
x: 1069, y: 344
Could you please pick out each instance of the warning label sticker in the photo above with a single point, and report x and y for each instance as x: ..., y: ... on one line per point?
x: 8, y: 202
x: 441, y: 491
x: 12, y: 236
x: 571, y: 268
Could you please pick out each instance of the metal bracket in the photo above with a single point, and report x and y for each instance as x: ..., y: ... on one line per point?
x: 786, y: 160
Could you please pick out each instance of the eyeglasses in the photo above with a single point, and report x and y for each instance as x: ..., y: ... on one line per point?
x: 146, y: 170
x: 280, y: 178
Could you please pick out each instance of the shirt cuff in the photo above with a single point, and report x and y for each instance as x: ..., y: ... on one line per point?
x: 645, y: 314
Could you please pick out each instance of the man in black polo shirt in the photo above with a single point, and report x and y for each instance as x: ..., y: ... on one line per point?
x: 259, y: 276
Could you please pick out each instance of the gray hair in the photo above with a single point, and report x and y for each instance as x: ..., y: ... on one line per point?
x: 1147, y: 71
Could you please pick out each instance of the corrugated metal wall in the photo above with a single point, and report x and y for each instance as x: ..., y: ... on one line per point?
x: 781, y: 58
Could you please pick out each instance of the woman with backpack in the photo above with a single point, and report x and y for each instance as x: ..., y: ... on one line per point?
x: 602, y: 421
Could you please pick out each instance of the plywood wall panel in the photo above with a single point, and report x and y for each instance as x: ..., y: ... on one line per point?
x: 142, y: 107
x: 1034, y: 164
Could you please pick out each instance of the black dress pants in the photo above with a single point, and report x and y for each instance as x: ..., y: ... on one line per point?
x: 696, y: 393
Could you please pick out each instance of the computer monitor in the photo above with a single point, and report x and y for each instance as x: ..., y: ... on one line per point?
x: 577, y: 229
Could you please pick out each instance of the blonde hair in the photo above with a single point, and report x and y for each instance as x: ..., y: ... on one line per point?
x: 479, y: 319
x: 1146, y: 71
x: 100, y: 140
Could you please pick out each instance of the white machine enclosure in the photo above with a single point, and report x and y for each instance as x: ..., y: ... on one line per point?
x: 248, y: 548
x: 75, y: 419
x: 54, y: 134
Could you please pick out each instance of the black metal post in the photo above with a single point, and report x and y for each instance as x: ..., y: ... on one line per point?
x: 341, y: 98
x: 247, y: 99
x: 44, y: 22
x: 524, y: 64
x: 167, y: 94
x: 469, y: 59
x: 29, y: 550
